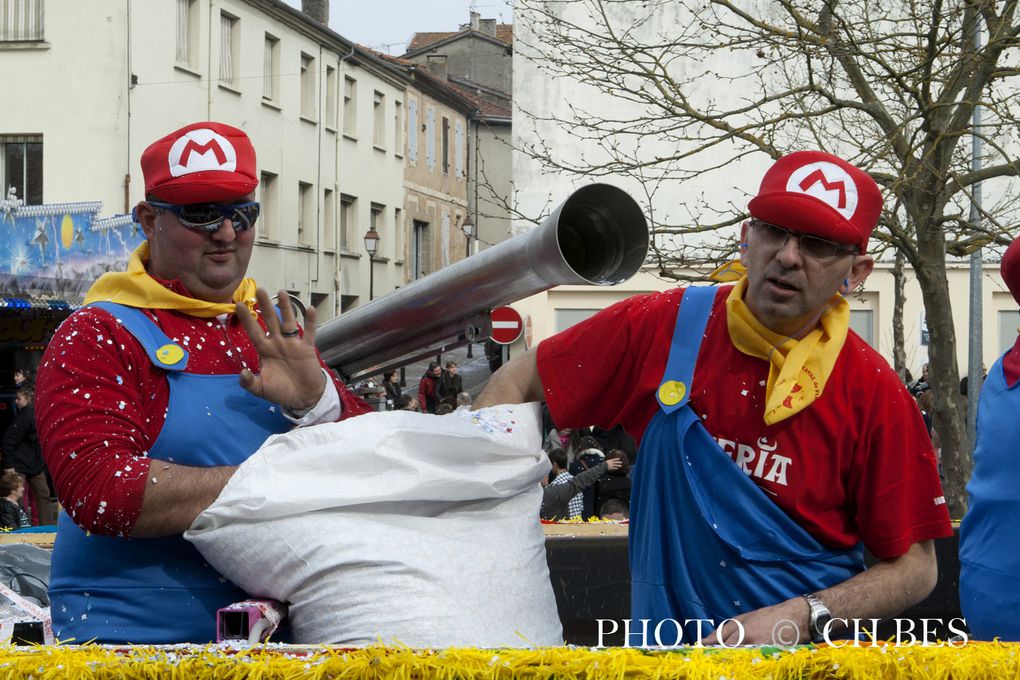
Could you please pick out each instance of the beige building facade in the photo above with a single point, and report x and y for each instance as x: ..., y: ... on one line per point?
x: 97, y: 82
x: 435, y: 175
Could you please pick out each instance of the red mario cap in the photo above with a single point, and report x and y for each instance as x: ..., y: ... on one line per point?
x: 200, y: 163
x: 1010, y: 268
x: 816, y: 193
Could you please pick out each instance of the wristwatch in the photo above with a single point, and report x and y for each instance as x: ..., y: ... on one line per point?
x: 819, y: 616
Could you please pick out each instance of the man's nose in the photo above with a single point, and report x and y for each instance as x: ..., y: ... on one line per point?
x: 225, y: 232
x: 789, y: 253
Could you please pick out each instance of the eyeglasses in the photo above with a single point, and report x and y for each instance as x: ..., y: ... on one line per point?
x: 208, y: 217
x: 813, y: 247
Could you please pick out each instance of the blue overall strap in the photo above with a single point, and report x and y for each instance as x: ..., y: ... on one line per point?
x: 989, y: 534
x: 691, y: 320
x: 162, y: 351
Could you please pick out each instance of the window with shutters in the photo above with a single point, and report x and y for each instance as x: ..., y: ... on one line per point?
x: 446, y: 146
x: 308, y: 76
x: 269, y: 217
x: 347, y: 221
x: 430, y: 138
x: 306, y: 218
x: 350, y: 106
x: 328, y: 220
x: 398, y: 234
x: 331, y: 98
x: 21, y: 167
x: 230, y: 49
x: 187, y: 34
x: 398, y: 128
x: 379, y: 120
x: 21, y: 20
x: 412, y: 131
x: 458, y: 150
x: 271, y: 69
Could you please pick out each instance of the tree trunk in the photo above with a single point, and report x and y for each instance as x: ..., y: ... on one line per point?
x: 899, y: 299
x: 944, y: 377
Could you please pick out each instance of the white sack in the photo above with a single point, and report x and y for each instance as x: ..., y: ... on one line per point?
x: 399, y: 526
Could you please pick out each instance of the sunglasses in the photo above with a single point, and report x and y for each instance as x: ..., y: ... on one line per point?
x: 813, y: 247
x: 208, y: 217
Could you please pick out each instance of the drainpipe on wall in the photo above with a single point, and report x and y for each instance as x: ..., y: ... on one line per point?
x: 131, y: 84
x: 209, y: 79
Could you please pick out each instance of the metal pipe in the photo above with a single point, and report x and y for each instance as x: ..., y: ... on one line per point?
x: 598, y: 236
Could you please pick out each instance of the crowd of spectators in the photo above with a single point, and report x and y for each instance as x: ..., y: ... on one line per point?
x: 25, y: 487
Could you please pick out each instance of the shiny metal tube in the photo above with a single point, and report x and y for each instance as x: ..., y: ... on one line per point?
x: 598, y: 236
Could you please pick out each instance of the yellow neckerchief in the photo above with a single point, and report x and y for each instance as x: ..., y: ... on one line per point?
x: 798, y: 369
x: 135, y: 288
x: 728, y: 272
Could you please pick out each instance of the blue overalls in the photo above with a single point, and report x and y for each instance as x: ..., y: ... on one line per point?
x: 705, y: 541
x: 159, y: 590
x: 990, y: 532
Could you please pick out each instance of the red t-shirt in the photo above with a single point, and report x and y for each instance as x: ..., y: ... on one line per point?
x: 856, y: 465
x: 101, y: 403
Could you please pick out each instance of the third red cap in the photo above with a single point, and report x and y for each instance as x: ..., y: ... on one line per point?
x: 1010, y: 268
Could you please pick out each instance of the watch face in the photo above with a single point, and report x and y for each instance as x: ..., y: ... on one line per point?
x: 821, y: 622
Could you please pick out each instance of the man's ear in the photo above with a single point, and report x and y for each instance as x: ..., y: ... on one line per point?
x: 744, y: 229
x: 860, y: 270
x: 145, y: 215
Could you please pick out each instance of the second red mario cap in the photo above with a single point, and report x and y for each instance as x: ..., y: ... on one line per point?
x: 200, y: 163
x: 813, y: 192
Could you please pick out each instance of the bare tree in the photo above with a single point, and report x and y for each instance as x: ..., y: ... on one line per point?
x: 890, y: 85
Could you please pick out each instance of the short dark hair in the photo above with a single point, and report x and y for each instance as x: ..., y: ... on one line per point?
x: 619, y: 453
x: 387, y: 375
x: 27, y: 391
x: 558, y: 458
x: 451, y: 364
x: 403, y: 400
x: 588, y: 442
x: 444, y: 408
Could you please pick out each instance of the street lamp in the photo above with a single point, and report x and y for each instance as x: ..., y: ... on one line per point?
x: 372, y: 247
x: 470, y: 230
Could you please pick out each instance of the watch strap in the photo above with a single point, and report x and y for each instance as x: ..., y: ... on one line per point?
x: 818, y: 616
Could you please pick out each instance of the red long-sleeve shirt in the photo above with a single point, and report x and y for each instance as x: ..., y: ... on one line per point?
x: 101, y: 403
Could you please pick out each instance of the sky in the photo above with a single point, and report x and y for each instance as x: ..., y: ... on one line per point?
x: 387, y: 25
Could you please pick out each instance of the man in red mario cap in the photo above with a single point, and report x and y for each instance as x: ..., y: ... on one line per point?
x: 151, y: 395
x: 990, y: 534
x: 774, y: 442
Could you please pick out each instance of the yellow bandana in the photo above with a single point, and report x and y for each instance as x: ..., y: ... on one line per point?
x: 728, y: 272
x: 135, y: 288
x: 798, y: 369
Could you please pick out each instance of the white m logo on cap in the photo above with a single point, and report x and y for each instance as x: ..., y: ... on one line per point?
x: 828, y: 183
x: 200, y: 150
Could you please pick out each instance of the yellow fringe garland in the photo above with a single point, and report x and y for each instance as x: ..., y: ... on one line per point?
x: 268, y: 662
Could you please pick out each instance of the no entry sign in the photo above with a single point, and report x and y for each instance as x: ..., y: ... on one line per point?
x: 506, y: 325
